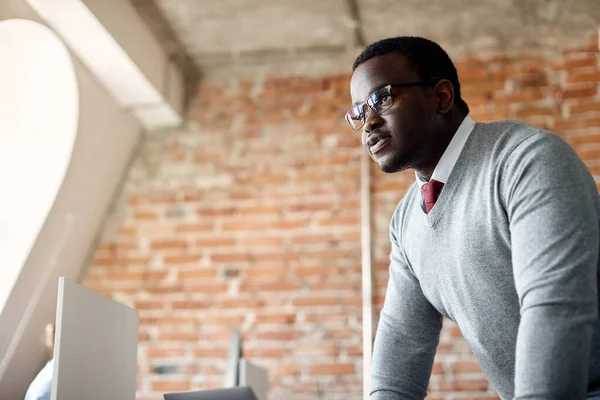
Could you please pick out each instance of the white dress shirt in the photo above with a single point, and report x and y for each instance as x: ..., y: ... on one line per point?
x: 446, y: 163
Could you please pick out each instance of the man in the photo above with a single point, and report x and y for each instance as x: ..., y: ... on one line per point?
x: 41, y: 386
x: 499, y: 233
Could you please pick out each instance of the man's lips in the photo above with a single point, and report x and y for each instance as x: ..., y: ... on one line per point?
x: 379, y: 144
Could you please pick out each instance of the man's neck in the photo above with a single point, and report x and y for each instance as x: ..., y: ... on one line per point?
x: 455, y: 118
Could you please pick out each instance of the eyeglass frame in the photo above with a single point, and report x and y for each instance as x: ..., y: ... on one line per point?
x: 388, y: 86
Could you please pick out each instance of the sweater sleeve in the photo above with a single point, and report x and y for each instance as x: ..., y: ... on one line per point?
x: 550, y: 200
x: 407, y: 334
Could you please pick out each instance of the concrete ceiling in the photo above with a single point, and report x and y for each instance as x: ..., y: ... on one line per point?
x: 225, y: 33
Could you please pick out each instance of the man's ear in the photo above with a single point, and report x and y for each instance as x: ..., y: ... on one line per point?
x: 444, y: 94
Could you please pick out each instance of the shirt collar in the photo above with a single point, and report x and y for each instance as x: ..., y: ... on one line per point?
x: 446, y: 163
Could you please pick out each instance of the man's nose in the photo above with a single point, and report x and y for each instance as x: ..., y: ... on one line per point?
x: 372, y: 121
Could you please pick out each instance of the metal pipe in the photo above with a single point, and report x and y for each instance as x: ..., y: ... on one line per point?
x: 367, y: 287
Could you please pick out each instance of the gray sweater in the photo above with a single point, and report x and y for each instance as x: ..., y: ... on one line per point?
x: 510, y: 253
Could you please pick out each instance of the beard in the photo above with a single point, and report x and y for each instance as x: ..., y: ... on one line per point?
x: 415, y: 153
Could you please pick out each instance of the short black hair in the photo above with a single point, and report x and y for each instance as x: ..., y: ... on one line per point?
x: 425, y: 56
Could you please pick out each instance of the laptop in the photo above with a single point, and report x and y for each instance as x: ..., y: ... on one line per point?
x: 95, y: 346
x: 236, y: 393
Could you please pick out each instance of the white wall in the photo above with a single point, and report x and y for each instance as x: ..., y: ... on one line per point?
x: 106, y: 139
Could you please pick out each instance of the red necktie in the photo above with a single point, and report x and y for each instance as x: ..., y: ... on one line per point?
x: 430, y: 191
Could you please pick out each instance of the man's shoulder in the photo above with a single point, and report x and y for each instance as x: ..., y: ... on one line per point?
x: 508, y: 130
x: 502, y: 138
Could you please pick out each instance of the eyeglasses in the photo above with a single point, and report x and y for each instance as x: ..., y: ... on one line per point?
x: 379, y: 101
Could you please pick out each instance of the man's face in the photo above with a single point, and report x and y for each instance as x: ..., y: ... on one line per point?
x: 403, y: 136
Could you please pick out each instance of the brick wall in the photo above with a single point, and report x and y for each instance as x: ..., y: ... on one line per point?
x: 250, y: 218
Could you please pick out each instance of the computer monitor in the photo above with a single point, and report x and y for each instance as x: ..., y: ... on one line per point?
x: 255, y: 377
x: 95, y: 350
x: 237, y: 393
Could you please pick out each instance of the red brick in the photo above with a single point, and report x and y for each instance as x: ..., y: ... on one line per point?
x: 587, y: 48
x: 334, y: 254
x: 238, y: 303
x: 179, y: 337
x: 266, y: 272
x: 125, y: 276
x: 231, y: 257
x: 149, y: 305
x: 536, y: 111
x: 215, y: 211
x: 489, y: 115
x: 153, y: 198
x: 455, y: 331
x: 324, y: 270
x: 264, y: 352
x: 521, y: 96
x: 316, y: 351
x: 170, y: 386
x: 172, y: 244
x: 189, y: 305
x: 281, y: 369
x: 259, y: 210
x: 223, y: 320
x: 585, y: 107
x: 145, y: 215
x: 278, y: 335
x: 532, y: 80
x: 482, y: 87
x: 312, y: 238
x: 182, y: 259
x: 242, y: 226
x: 340, y: 221
x: 162, y: 352
x: 583, y: 139
x: 269, y: 287
x: 279, y: 256
x: 181, y: 321
x: 574, y: 124
x: 216, y: 242
x: 465, y: 367
x: 261, y: 179
x: 332, y: 369
x: 106, y: 261
x: 589, y: 154
x: 583, y: 77
x: 241, y: 195
x: 289, y: 224
x: 262, y: 242
x: 316, y: 301
x: 444, y: 347
x: 211, y: 352
x: 204, y: 273
x: 476, y: 73
x: 437, y: 368
x: 586, y: 92
x: 195, y: 227
x: 351, y: 237
x: 208, y: 288
x: 589, y: 61
x: 321, y: 317
x: 276, y: 318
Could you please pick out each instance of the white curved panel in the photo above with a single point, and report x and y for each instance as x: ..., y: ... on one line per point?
x: 38, y: 125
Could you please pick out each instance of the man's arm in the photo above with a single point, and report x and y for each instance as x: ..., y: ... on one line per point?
x: 550, y: 203
x: 407, y: 335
